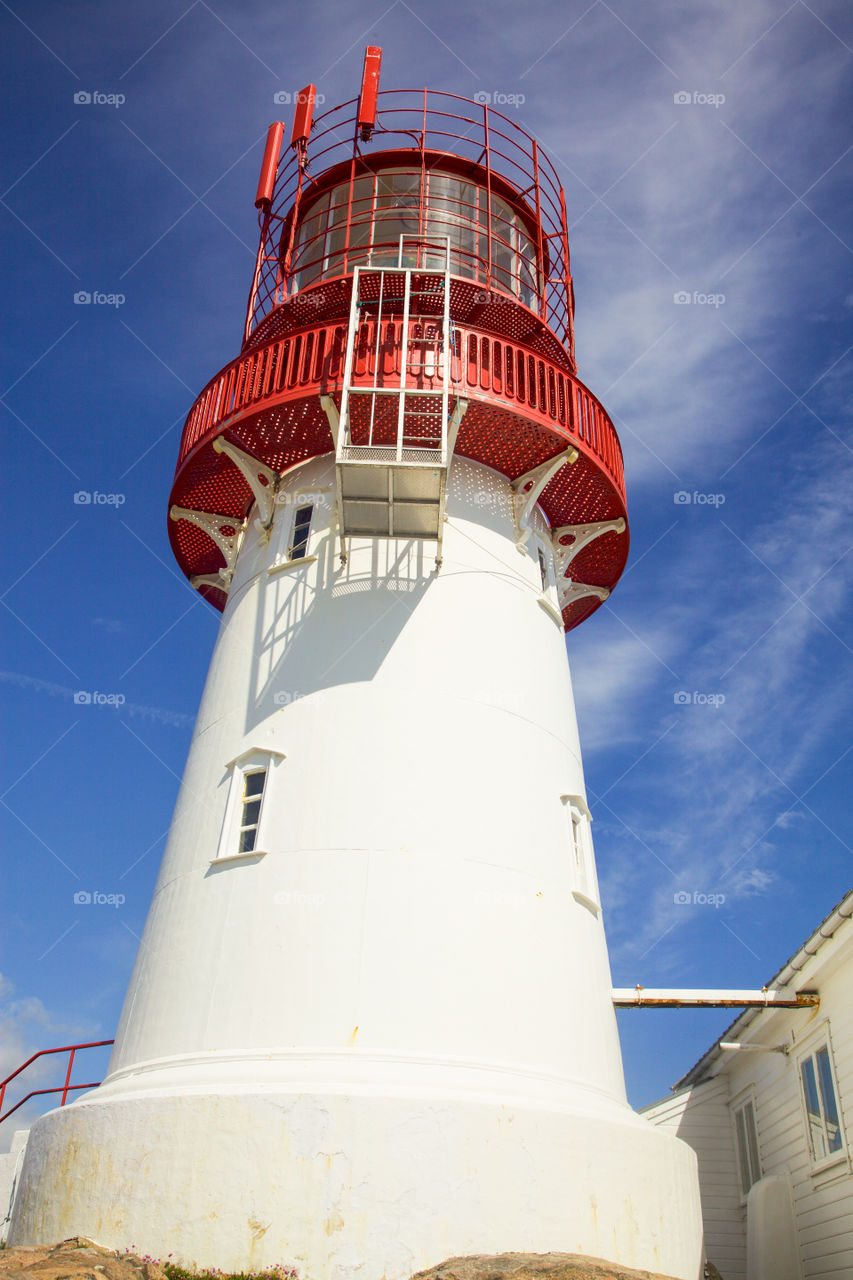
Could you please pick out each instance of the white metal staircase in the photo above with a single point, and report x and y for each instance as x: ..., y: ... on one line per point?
x: 399, y: 416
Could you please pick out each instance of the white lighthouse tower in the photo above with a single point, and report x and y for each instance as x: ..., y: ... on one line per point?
x: 370, y: 1024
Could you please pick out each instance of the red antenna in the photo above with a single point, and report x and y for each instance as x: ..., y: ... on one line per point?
x: 369, y: 91
x: 269, y: 166
x: 304, y: 117
x: 448, y: 247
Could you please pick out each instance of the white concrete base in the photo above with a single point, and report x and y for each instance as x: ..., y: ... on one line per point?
x: 345, y: 1186
x: 10, y: 1168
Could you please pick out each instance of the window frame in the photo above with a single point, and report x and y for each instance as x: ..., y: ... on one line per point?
x: 738, y: 1107
x: 292, y: 543
x: 821, y: 1043
x: 545, y: 563
x: 247, y: 799
x: 253, y: 760
x: 578, y: 820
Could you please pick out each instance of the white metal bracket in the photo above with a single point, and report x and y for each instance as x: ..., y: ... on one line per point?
x: 527, y: 489
x: 569, y: 591
x: 331, y: 411
x: 453, y: 427
x: 583, y: 535
x: 261, y: 479
x: 214, y: 527
x: 220, y: 580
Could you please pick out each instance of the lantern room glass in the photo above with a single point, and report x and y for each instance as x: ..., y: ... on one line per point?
x: 387, y: 204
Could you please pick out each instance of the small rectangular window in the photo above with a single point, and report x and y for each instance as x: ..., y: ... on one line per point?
x: 543, y: 569
x: 822, y: 1114
x: 747, y: 1146
x: 251, y: 800
x: 584, y: 884
x: 578, y: 851
x: 299, y: 533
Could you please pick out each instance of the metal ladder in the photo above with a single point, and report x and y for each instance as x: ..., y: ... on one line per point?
x: 394, y: 444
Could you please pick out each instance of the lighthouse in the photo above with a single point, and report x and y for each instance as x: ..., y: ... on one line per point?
x: 370, y: 1024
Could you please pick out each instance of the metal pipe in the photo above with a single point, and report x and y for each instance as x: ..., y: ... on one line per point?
x: 660, y: 998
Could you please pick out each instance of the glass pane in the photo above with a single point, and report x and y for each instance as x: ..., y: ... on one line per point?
x: 752, y: 1143
x: 830, y: 1105
x: 247, y: 840
x: 815, y: 1123
x: 543, y: 571
x: 301, y: 528
x: 254, y: 784
x: 742, y: 1157
x: 251, y: 812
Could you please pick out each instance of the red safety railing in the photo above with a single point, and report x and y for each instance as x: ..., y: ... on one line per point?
x: 506, y: 373
x: 422, y: 130
x: 65, y: 1088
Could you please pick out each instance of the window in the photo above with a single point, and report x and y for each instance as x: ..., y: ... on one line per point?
x: 388, y: 204
x: 821, y: 1102
x: 584, y: 884
x: 746, y: 1134
x: 549, y: 597
x: 252, y: 799
x: 299, y: 532
x: 543, y: 569
x: 246, y: 824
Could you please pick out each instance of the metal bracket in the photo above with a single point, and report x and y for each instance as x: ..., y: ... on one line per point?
x: 213, y: 526
x: 583, y: 535
x: 569, y: 592
x: 220, y: 580
x: 527, y: 489
x: 453, y: 427
x: 261, y: 479
x: 331, y: 411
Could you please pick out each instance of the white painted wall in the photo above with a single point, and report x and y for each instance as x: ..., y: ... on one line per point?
x: 390, y: 1038
x: 823, y: 1199
x: 700, y: 1116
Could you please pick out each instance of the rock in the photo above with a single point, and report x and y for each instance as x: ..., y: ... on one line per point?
x: 533, y: 1266
x: 75, y: 1259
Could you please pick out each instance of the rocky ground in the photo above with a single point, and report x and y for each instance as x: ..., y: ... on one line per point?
x: 81, y: 1259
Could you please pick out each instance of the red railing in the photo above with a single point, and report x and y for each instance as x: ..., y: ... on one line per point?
x: 64, y: 1088
x: 507, y: 374
x: 439, y: 128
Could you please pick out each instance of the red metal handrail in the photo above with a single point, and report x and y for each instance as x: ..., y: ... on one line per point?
x: 429, y: 123
x: 506, y: 372
x: 64, y: 1088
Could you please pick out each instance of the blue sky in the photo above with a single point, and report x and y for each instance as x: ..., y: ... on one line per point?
x: 737, y: 598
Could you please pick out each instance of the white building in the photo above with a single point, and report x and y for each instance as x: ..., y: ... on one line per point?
x: 772, y: 1122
